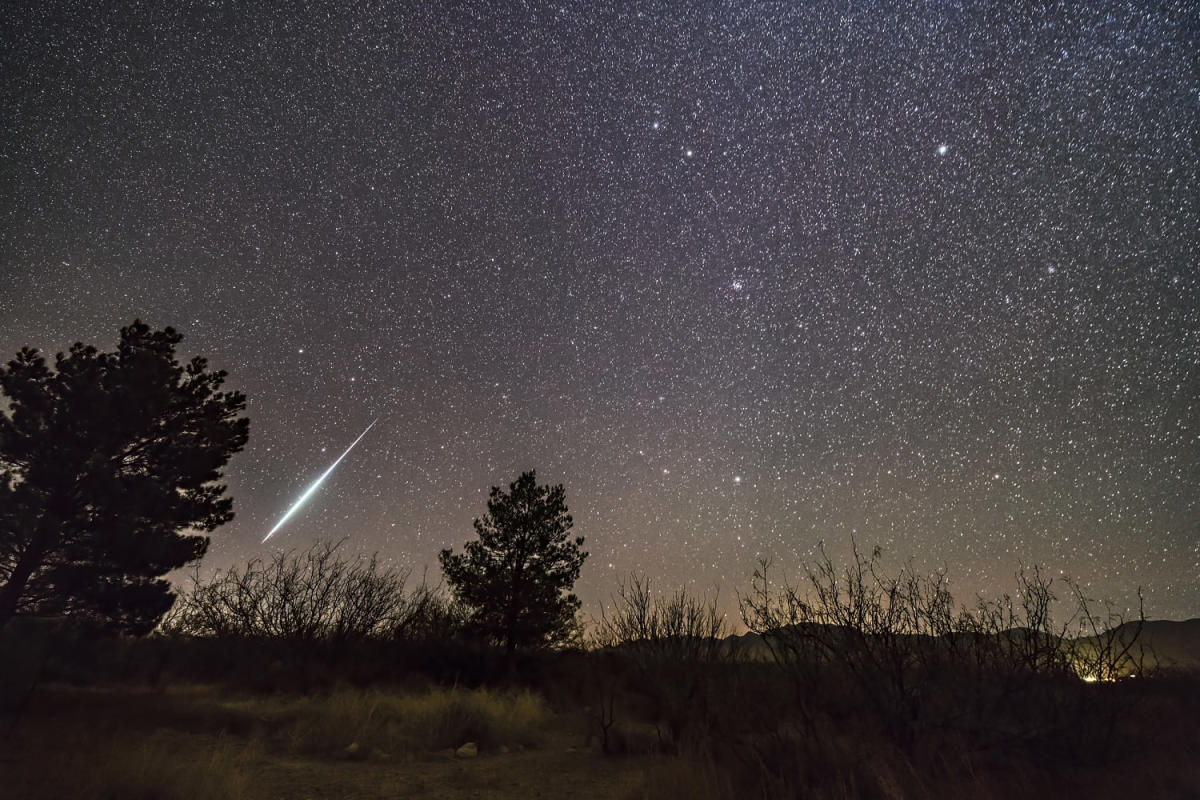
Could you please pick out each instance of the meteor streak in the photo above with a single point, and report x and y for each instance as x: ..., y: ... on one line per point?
x: 308, y: 492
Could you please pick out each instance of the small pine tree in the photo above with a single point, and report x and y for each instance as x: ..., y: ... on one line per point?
x: 516, y: 577
x: 108, y: 463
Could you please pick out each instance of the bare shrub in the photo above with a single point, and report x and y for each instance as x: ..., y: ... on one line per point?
x: 682, y: 628
x: 883, y: 634
x: 1109, y: 647
x: 426, y: 613
x: 316, y: 594
x: 895, y: 647
x: 677, y: 645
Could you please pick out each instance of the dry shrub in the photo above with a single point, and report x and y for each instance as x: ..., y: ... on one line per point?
x: 318, y: 594
x: 895, y: 647
x: 678, y: 648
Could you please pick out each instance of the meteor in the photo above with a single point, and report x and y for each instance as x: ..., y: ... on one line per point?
x: 308, y: 492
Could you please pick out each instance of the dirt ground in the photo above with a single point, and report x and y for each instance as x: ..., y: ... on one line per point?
x: 66, y: 744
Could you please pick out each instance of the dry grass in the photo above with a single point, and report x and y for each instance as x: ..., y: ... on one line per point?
x: 111, y: 763
x: 677, y: 778
x: 386, y: 724
x: 200, y: 742
x: 197, y: 743
x: 156, y: 770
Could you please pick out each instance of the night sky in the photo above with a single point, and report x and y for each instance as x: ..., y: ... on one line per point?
x: 745, y: 277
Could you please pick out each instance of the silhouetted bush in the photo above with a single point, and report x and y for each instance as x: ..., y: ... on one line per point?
x: 860, y: 682
x: 677, y: 646
x: 892, y: 652
x: 313, y: 595
x: 855, y: 682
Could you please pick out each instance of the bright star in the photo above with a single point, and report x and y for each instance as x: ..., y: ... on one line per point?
x: 943, y: 149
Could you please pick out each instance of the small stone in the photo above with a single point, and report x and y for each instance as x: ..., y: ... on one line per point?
x: 352, y: 749
x: 468, y: 750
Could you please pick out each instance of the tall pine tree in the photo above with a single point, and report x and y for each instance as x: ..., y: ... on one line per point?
x: 517, y: 576
x: 109, y: 466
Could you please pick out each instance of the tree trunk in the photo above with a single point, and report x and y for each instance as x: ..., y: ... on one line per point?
x: 11, y: 592
x: 27, y: 564
x: 513, y: 611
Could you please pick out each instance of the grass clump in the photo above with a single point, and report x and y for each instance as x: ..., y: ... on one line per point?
x: 387, y: 724
x: 158, y: 770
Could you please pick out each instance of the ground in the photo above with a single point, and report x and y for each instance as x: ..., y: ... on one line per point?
x: 199, y: 742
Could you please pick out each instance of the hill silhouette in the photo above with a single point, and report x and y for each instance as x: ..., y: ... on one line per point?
x: 1165, y: 644
x: 1170, y: 644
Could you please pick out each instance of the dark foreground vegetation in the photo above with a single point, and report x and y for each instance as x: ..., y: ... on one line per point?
x: 313, y: 675
x: 310, y: 674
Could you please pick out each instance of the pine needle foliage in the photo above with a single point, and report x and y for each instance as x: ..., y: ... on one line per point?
x: 516, y: 578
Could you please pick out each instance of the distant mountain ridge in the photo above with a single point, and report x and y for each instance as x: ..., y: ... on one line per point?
x: 1171, y: 644
x: 1167, y: 644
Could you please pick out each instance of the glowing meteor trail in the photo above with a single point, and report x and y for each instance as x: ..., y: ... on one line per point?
x: 308, y: 492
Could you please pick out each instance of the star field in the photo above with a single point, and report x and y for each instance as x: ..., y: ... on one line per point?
x: 746, y: 277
